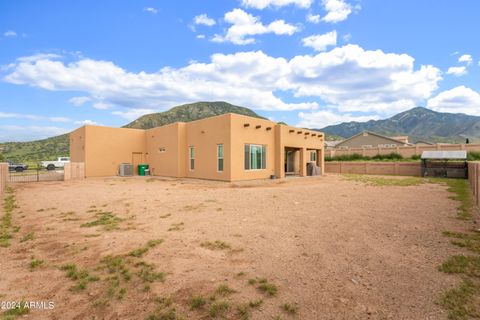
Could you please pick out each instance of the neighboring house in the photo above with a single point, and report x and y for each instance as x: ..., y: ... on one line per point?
x: 227, y: 147
x: 424, y: 143
x: 330, y: 145
x: 367, y: 139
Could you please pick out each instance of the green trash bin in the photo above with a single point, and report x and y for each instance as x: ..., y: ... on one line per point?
x: 141, y: 169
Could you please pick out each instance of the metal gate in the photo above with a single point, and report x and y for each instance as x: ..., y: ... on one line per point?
x: 36, y: 175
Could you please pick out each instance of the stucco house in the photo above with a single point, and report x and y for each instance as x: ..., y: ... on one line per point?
x: 228, y: 147
x: 367, y: 139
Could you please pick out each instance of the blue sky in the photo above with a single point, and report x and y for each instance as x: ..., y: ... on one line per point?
x: 306, y: 62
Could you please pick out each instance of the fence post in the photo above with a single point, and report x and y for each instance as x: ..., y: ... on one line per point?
x: 38, y: 173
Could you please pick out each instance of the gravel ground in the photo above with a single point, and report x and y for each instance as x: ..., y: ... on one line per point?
x: 336, y: 249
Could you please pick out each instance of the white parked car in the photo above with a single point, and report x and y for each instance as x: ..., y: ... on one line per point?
x: 52, y: 165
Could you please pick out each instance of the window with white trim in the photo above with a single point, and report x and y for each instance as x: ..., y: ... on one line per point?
x: 313, y: 156
x: 255, y: 157
x: 191, y: 157
x: 219, y: 157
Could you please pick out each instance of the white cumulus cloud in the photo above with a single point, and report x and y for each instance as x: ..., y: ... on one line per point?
x: 313, y: 18
x: 150, y: 10
x: 203, y: 19
x: 10, y: 34
x: 460, y: 99
x: 349, y: 78
x: 245, y: 25
x: 262, y: 4
x: 457, y: 71
x: 337, y: 10
x: 465, y: 58
x: 355, y: 79
x: 79, y: 101
x: 320, y: 42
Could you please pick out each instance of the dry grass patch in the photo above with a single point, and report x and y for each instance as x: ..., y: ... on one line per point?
x: 383, y: 181
x: 35, y: 263
x: 6, y: 226
x: 462, y: 302
x: 290, y: 308
x: 105, y: 219
x: 142, y: 250
x: 177, y: 226
x: 28, y: 237
x: 215, y: 245
x: 20, y: 309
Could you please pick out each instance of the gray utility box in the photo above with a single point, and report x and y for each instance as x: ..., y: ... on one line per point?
x: 125, y: 170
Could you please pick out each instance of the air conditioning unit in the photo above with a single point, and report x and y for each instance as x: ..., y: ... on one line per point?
x: 125, y: 170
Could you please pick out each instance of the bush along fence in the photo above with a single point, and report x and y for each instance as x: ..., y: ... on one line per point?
x: 392, y: 168
x: 405, y: 152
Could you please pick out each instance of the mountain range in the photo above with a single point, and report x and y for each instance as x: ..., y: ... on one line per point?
x: 189, y: 112
x: 418, y: 123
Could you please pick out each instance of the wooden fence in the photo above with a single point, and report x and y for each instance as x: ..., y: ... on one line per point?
x: 406, y: 152
x: 74, y: 171
x: 474, y: 180
x: 395, y: 168
x: 3, y: 176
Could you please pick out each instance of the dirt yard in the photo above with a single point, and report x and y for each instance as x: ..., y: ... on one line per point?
x: 301, y: 248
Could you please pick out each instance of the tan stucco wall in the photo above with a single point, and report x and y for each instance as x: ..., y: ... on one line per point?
x: 77, y: 145
x: 250, y: 134
x: 164, y: 163
x: 166, y: 148
x: 204, y: 135
x: 105, y: 148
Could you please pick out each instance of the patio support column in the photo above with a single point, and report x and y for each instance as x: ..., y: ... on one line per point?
x: 303, y: 162
x: 321, y: 161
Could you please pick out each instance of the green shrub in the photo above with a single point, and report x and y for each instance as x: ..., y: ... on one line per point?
x: 473, y: 156
x: 390, y: 156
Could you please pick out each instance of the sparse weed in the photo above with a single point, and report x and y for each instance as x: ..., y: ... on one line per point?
x: 290, y: 308
x: 197, y: 302
x: 28, y: 237
x: 218, y: 309
x: 106, y: 219
x: 35, y: 263
x: 461, y: 302
x: 142, y: 250
x: 267, y: 288
x: 224, y: 290
x: 177, y: 226
x: 255, y: 303
x: 216, y: 245
x: 147, y: 273
x: 243, y: 311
